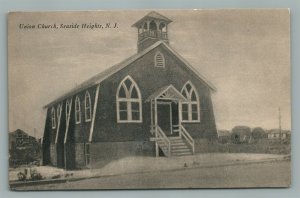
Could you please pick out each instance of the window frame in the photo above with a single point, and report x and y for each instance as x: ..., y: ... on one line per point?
x: 77, y: 110
x: 68, y: 109
x: 163, y: 60
x: 190, y: 103
x: 87, y: 109
x: 128, y: 100
x: 58, y: 111
x: 53, y: 118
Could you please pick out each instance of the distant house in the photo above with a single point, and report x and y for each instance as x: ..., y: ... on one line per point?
x: 23, y: 148
x: 279, y: 134
x: 241, y: 134
x: 224, y: 136
x: 148, y: 104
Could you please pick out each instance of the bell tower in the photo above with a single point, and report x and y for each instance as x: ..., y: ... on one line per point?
x: 152, y: 28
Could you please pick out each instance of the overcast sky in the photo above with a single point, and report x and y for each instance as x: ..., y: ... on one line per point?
x: 244, y: 53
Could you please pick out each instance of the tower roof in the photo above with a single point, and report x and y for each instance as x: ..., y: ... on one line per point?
x: 152, y: 15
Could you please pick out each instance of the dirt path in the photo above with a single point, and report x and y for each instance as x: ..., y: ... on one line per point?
x: 270, y: 174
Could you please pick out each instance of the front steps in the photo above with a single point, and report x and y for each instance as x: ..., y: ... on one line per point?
x: 179, y: 147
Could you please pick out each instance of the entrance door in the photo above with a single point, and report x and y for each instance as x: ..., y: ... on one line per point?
x: 164, y: 117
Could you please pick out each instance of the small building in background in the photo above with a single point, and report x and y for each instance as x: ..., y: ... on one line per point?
x: 224, y: 136
x: 23, y: 148
x: 278, y: 134
x: 241, y: 134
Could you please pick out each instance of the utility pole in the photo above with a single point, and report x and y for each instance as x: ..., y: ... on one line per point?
x: 279, y: 120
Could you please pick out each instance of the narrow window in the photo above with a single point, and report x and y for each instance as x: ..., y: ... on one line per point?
x: 77, y: 110
x: 53, y: 120
x: 87, y: 105
x: 129, y: 105
x: 190, y: 109
x: 58, y: 111
x: 68, y: 109
x: 159, y: 60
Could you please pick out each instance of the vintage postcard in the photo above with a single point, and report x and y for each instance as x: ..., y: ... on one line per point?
x: 149, y: 99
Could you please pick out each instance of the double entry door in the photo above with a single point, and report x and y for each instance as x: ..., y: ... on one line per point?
x: 167, y: 116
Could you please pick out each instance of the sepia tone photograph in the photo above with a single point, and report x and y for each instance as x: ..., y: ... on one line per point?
x: 149, y: 99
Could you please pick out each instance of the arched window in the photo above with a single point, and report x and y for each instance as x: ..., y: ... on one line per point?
x: 68, y: 109
x: 152, y: 25
x: 58, y: 111
x: 77, y: 110
x: 145, y: 27
x: 129, y: 105
x: 53, y: 118
x: 163, y: 27
x: 87, y: 105
x: 159, y: 59
x: 190, y: 109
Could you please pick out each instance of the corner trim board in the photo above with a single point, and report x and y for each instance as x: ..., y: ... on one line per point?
x: 94, y: 113
x: 58, y: 122
x: 68, y: 121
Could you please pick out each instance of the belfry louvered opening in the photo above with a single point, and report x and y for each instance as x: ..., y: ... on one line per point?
x: 159, y: 60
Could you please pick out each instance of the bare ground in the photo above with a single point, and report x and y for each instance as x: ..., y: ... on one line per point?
x: 268, y: 174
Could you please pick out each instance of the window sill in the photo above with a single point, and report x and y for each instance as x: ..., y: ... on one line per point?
x: 132, y: 121
x: 190, y: 121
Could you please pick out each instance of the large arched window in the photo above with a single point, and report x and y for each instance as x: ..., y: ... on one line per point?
x: 53, y: 118
x: 87, y: 105
x: 77, y: 110
x: 159, y: 59
x: 129, y: 105
x: 190, y: 109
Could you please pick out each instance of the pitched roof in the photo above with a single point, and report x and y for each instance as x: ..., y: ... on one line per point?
x: 18, y: 131
x: 223, y: 133
x: 112, y: 70
x: 169, y: 92
x: 152, y: 15
x: 202, y: 77
x: 272, y: 131
x: 103, y: 75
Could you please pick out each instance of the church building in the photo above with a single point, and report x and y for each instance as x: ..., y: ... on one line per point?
x: 154, y: 103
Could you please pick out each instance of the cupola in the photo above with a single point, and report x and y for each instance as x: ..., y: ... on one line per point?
x: 152, y: 28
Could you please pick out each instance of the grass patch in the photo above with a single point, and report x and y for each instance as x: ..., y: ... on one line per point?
x: 261, y: 146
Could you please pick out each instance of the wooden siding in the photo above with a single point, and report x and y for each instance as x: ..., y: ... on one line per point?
x: 149, y: 79
x: 70, y: 154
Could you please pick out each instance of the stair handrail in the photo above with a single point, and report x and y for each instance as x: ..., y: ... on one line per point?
x: 161, y: 135
x: 184, y: 133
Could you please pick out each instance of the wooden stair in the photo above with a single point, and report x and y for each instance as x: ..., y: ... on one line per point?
x: 179, y: 147
x: 175, y: 146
